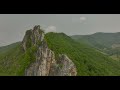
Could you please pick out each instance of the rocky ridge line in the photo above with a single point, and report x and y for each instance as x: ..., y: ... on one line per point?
x: 45, y: 63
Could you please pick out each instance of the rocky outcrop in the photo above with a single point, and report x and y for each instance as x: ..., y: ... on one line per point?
x: 63, y: 67
x: 45, y: 63
x: 32, y: 37
x: 44, y: 59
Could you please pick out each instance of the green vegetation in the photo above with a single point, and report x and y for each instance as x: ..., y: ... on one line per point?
x: 15, y: 61
x: 7, y: 48
x: 88, y: 60
x: 105, y: 42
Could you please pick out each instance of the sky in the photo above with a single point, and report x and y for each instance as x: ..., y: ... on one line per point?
x: 14, y: 26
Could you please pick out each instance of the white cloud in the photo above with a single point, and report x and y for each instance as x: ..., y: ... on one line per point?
x: 83, y: 18
x: 50, y: 29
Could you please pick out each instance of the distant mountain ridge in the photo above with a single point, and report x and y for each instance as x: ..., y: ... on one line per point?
x: 107, y: 42
x: 54, y: 54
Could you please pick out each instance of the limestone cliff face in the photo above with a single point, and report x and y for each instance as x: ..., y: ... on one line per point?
x: 32, y: 37
x: 45, y: 63
x: 63, y: 67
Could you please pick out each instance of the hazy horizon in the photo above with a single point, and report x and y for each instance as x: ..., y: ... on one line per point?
x: 14, y: 26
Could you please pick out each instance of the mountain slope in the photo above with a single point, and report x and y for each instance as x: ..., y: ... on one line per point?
x: 43, y: 58
x: 88, y: 60
x: 107, y: 42
x: 7, y: 48
x: 55, y: 54
x: 32, y: 57
x: 9, y: 59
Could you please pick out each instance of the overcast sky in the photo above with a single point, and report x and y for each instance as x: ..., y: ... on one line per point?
x: 13, y: 26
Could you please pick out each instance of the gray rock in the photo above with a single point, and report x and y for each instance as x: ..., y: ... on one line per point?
x: 33, y: 37
x: 63, y: 67
x: 45, y: 63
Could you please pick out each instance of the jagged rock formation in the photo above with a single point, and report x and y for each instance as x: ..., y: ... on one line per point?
x: 63, y: 67
x: 45, y: 63
x: 33, y: 37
